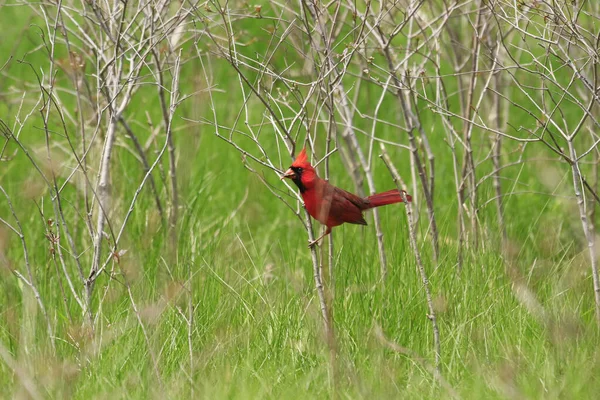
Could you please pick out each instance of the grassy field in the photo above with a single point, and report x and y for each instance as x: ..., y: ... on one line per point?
x: 231, y: 311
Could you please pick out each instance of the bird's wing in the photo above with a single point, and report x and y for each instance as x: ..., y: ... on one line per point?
x: 345, y: 207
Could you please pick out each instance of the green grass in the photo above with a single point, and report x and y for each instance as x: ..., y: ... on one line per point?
x: 257, y: 329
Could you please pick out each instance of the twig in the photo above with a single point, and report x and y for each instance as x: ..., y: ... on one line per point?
x: 31, y: 281
x: 413, y: 241
x: 587, y: 227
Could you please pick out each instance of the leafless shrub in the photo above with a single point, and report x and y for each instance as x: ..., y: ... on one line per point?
x: 100, y: 56
x: 494, y: 59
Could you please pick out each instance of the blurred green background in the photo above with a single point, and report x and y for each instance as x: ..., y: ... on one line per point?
x: 231, y: 310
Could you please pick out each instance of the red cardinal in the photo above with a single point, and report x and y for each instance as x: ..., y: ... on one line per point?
x: 331, y: 205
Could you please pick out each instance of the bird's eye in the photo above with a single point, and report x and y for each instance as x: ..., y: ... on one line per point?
x: 299, y: 170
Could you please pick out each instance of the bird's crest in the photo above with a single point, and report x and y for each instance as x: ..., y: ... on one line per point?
x: 301, y: 159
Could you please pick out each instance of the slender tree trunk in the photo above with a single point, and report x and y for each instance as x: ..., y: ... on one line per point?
x: 586, y: 225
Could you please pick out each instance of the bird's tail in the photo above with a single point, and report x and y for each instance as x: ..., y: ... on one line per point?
x: 389, y: 197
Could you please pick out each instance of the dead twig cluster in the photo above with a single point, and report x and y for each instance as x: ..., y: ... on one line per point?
x: 103, y: 57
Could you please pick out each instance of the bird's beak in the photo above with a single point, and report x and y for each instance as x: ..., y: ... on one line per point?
x: 289, y: 174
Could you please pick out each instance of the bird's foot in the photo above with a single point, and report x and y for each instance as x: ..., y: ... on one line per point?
x: 312, y: 243
x: 316, y: 241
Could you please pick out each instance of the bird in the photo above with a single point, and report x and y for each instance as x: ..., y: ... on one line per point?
x: 330, y: 205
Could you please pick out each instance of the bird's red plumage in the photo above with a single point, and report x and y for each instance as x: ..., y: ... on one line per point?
x: 389, y: 197
x: 331, y: 205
